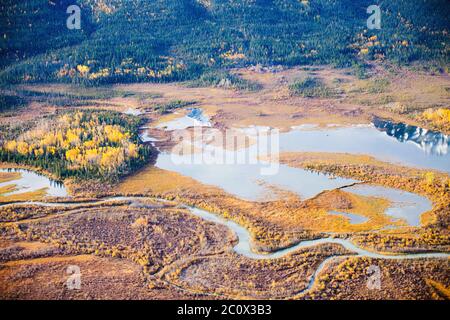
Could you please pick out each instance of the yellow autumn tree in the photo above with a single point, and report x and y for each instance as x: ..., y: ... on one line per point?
x: 22, y: 148
x: 82, y: 139
x: 11, y: 146
x: 72, y: 155
x: 83, y: 70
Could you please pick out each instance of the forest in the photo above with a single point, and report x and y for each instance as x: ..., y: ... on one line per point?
x: 173, y: 40
x: 82, y: 144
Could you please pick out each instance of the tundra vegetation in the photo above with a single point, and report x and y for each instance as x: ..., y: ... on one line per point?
x: 168, y: 248
x: 63, y: 111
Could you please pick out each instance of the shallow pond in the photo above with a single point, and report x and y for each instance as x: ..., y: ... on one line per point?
x: 145, y: 137
x: 195, y: 118
x: 133, y: 112
x: 246, y: 182
x: 31, y: 181
x: 406, y: 206
x: 353, y: 218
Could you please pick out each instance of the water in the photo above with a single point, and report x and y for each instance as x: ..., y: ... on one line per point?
x: 430, y: 142
x: 195, y: 118
x: 31, y: 181
x: 354, y: 218
x: 145, y: 137
x: 370, y: 141
x: 405, y: 205
x: 133, y: 112
x: 197, y: 113
x: 245, y: 181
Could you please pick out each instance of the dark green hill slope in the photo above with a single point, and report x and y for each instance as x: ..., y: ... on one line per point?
x: 169, y: 40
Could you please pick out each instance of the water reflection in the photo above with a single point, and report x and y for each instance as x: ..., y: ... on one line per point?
x: 372, y: 140
x: 195, y: 118
x: 31, y: 181
x: 431, y: 142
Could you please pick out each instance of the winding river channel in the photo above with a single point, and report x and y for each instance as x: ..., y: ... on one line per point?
x: 244, y: 245
x: 365, y: 139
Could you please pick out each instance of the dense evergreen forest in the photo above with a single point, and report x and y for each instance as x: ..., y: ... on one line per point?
x: 170, y: 40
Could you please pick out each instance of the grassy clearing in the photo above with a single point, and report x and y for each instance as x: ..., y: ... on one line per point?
x: 25, y: 196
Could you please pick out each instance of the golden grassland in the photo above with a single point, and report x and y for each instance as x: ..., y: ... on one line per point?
x: 434, y: 185
x: 369, y: 207
x: 151, y: 179
x: 9, y: 176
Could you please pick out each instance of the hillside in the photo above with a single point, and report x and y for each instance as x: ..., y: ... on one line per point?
x: 170, y: 40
